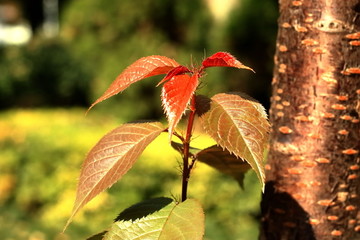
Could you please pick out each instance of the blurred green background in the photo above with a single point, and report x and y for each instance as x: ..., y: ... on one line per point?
x: 73, y: 54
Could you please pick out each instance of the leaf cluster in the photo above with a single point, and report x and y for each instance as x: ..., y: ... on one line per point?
x: 237, y: 123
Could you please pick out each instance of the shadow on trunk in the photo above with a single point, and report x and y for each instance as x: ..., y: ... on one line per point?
x: 283, y: 217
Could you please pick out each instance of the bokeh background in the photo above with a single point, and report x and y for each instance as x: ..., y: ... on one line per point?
x: 58, y: 56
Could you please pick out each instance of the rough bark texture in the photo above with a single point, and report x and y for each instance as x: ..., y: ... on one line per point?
x: 313, y: 184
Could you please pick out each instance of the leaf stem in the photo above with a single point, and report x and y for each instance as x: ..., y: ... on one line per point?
x: 186, y: 143
x: 178, y: 136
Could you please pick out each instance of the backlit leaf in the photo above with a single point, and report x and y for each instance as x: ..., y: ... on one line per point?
x: 223, y: 59
x: 159, y: 219
x: 111, y: 158
x: 224, y: 161
x: 176, y: 95
x: 240, y: 125
x: 140, y: 69
x: 175, y: 71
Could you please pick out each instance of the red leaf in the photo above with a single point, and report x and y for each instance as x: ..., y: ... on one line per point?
x: 176, y: 95
x: 223, y: 59
x: 140, y: 69
x: 111, y: 158
x: 175, y: 71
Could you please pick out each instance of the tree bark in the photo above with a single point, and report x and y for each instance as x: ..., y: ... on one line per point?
x: 313, y: 186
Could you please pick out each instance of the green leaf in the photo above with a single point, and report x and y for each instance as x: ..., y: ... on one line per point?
x: 225, y: 162
x: 159, y: 219
x: 111, y: 158
x: 238, y: 124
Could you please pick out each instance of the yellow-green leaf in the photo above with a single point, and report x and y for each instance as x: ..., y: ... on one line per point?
x: 238, y: 124
x: 159, y: 219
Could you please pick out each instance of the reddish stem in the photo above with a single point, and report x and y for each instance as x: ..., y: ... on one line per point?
x: 186, y: 143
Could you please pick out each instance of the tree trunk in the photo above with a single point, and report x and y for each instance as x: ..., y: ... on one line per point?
x: 313, y: 185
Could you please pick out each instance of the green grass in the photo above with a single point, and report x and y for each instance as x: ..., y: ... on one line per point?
x: 41, y: 152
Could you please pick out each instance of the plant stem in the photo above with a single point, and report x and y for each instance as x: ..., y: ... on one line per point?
x: 186, y: 143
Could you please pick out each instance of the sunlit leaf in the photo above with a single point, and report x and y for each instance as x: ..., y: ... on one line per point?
x: 111, y: 158
x: 140, y: 69
x: 159, y: 219
x: 240, y: 125
x: 175, y: 71
x: 224, y: 161
x: 223, y: 59
x: 176, y: 95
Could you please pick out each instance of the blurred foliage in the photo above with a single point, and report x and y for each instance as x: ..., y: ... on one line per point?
x: 42, y: 74
x: 250, y: 35
x: 41, y: 153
